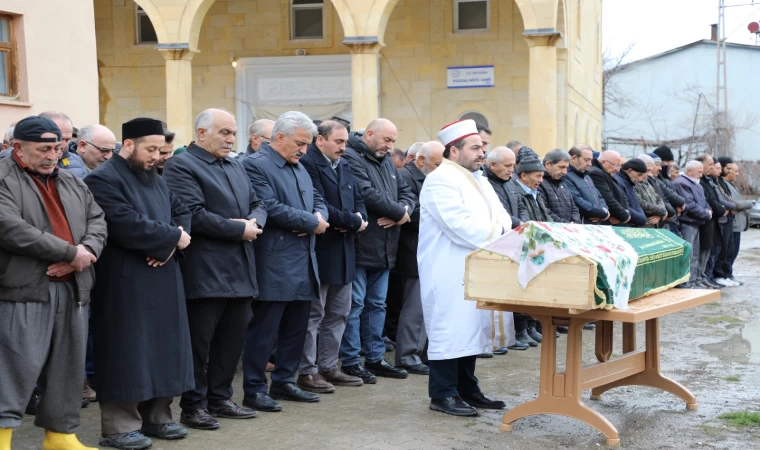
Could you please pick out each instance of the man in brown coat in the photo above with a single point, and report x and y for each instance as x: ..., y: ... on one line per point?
x: 52, y: 232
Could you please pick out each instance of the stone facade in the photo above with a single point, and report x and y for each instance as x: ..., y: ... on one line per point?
x: 399, y: 73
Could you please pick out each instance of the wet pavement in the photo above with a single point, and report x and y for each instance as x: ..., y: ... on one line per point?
x: 713, y: 350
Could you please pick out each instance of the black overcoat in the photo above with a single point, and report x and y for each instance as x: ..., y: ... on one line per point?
x: 141, y: 334
x: 286, y: 263
x: 338, y: 188
x: 406, y: 257
x: 219, y: 264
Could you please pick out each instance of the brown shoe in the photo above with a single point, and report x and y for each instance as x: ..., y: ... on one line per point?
x: 338, y: 378
x: 315, y: 383
x: 88, y: 393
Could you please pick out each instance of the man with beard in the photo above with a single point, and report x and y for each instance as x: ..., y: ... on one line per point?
x: 52, y: 231
x: 411, y: 336
x: 96, y: 146
x: 459, y: 213
x: 286, y: 264
x: 334, y: 181
x: 142, y: 340
x: 389, y: 202
x: 227, y: 218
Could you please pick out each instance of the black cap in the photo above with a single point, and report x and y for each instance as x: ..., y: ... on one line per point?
x: 530, y: 164
x: 32, y: 128
x: 140, y: 127
x: 636, y: 164
x: 725, y: 160
x: 664, y: 152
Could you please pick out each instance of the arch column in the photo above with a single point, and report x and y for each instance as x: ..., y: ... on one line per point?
x: 542, y: 88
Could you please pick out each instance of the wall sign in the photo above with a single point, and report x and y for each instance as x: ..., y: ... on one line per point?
x: 470, y: 77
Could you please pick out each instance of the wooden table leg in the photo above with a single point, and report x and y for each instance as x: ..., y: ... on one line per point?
x: 651, y: 376
x: 603, y: 340
x: 560, y: 393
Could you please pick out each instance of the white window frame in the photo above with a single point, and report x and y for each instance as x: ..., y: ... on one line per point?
x: 456, y: 17
x: 294, y: 8
x: 141, y: 12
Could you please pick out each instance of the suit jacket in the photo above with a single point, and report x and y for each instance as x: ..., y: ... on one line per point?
x: 406, y: 257
x: 338, y: 188
x: 216, y: 191
x: 610, y: 190
x: 509, y: 197
x: 286, y: 264
x: 587, y: 198
x: 638, y: 218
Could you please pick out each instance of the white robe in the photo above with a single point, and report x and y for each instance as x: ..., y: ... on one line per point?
x: 459, y: 213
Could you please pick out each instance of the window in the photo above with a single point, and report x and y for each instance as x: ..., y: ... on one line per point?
x: 7, y: 57
x: 472, y: 15
x: 146, y: 34
x: 306, y: 19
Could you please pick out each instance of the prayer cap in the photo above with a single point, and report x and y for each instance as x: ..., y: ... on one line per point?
x: 655, y: 157
x: 725, y: 160
x: 32, y: 128
x: 457, y: 131
x: 664, y: 152
x: 140, y: 127
x: 636, y: 164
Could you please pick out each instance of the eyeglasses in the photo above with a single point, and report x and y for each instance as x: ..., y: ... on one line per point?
x: 267, y: 139
x: 103, y: 150
x: 617, y: 166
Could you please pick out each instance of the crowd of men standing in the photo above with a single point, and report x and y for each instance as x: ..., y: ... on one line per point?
x: 301, y: 255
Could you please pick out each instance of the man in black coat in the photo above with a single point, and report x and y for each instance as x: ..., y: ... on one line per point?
x: 602, y: 173
x: 411, y: 335
x: 142, y: 339
x: 219, y: 270
x: 709, y: 232
x: 591, y: 206
x: 389, y: 202
x: 558, y: 198
x: 335, y: 182
x: 500, y: 164
x: 286, y: 263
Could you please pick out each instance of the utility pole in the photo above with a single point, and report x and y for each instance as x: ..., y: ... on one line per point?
x: 721, y: 92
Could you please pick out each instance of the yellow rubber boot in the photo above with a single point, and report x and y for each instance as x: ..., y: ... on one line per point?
x: 5, y: 438
x: 62, y: 441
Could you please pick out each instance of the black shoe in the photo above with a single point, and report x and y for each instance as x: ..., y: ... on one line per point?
x: 417, y: 369
x: 501, y: 351
x: 261, y: 401
x: 713, y: 284
x: 484, y: 355
x: 562, y: 329
x: 524, y: 337
x: 289, y: 391
x: 589, y: 326
x: 31, y: 407
x: 134, y: 440
x: 230, y: 410
x: 519, y: 345
x: 383, y: 369
x: 168, y: 431
x: 479, y: 400
x: 357, y: 370
x: 389, y: 344
x: 85, y: 403
x: 198, y: 419
x: 452, y: 405
x: 534, y: 334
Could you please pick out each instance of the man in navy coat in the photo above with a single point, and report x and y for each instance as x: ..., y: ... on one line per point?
x: 286, y: 263
x: 333, y: 180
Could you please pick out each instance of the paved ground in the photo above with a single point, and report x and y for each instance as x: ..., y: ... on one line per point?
x: 707, y: 349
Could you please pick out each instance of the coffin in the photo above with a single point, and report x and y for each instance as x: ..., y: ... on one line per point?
x: 578, y: 267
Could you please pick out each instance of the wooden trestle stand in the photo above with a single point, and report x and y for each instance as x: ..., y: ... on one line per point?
x: 560, y: 393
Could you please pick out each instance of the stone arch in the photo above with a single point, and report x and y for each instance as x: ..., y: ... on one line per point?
x: 538, y: 13
x: 367, y: 18
x: 477, y: 116
x: 155, y: 18
x: 173, y: 29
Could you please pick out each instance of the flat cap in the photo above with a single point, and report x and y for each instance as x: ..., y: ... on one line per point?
x: 32, y: 128
x: 636, y: 164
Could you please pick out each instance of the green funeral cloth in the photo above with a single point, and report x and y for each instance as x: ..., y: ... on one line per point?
x: 663, y: 260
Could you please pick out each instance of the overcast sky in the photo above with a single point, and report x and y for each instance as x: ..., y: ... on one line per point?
x: 655, y: 26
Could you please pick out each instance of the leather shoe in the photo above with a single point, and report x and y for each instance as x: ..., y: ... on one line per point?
x: 358, y: 371
x: 501, y: 351
x: 479, y: 400
x: 315, y: 383
x: 524, y: 337
x: 534, y: 334
x: 454, y: 406
x: 383, y: 369
x: 289, y: 391
x: 590, y: 326
x: 261, y: 401
x: 168, y: 431
x: 337, y: 377
x: 230, y: 410
x: 519, y: 345
x: 484, y: 356
x: 562, y: 329
x: 198, y: 419
x: 417, y: 369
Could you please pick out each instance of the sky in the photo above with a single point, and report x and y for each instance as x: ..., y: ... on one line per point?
x: 655, y: 26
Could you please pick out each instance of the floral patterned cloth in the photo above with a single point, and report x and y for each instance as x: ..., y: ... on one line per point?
x: 536, y: 245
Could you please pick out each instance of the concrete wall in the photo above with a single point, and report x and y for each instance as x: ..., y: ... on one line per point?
x: 57, y: 59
